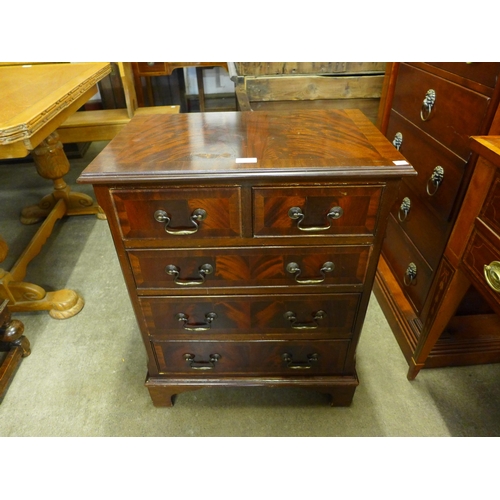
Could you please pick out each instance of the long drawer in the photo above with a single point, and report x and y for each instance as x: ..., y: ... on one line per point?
x: 457, y: 112
x: 277, y: 316
x: 173, y: 270
x: 407, y: 264
x: 205, y: 359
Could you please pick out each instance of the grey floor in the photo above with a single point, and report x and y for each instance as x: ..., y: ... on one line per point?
x: 85, y: 374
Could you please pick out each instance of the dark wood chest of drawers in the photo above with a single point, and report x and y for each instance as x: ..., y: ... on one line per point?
x: 249, y: 243
x: 430, y: 111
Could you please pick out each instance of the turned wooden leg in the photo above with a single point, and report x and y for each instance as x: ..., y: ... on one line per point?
x: 51, y: 163
x: 14, y: 343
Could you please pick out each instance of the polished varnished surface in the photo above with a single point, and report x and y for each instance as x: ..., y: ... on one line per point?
x: 226, y: 144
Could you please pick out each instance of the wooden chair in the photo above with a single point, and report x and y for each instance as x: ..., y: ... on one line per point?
x: 104, y: 124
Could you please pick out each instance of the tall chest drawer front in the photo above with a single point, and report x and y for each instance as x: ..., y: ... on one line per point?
x: 330, y: 316
x: 457, y: 112
x: 244, y: 267
x: 409, y: 268
x: 426, y: 154
x: 428, y: 232
x: 490, y: 212
x: 485, y: 73
x: 176, y: 214
x: 205, y: 359
x: 316, y: 211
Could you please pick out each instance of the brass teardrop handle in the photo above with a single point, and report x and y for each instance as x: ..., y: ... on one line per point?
x: 293, y: 268
x: 398, y: 140
x: 203, y: 271
x: 492, y: 275
x: 427, y: 104
x: 291, y: 316
x: 404, y: 209
x: 196, y: 327
x: 196, y: 217
x: 435, y: 180
x: 202, y: 365
x: 410, y: 274
x: 295, y: 213
x: 300, y: 365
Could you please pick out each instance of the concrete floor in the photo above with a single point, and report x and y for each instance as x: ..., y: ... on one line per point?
x: 85, y: 374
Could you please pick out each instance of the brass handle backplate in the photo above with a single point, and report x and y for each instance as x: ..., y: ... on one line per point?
x: 196, y: 327
x: 295, y: 213
x: 203, y: 271
x: 435, y: 180
x: 427, y: 105
x: 410, y: 274
x: 398, y: 140
x: 492, y: 275
x: 292, y: 317
x: 202, y: 365
x: 300, y: 365
x: 404, y: 209
x: 196, y: 217
x: 293, y: 268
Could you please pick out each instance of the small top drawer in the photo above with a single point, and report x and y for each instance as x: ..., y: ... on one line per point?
x: 151, y: 67
x: 316, y: 211
x: 178, y: 214
x: 451, y: 113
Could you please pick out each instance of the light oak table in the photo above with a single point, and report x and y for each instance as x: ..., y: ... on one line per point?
x: 35, y: 100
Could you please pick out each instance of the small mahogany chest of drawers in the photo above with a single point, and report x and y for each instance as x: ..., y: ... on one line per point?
x: 249, y: 243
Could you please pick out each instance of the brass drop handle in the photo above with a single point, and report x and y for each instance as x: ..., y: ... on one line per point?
x: 427, y: 104
x: 196, y: 327
x: 202, y: 365
x: 410, y: 274
x: 203, y: 271
x: 196, y: 217
x: 398, y: 140
x: 300, y: 365
x: 293, y: 268
x: 292, y: 317
x: 404, y: 209
x: 295, y: 213
x: 492, y: 275
x: 435, y: 180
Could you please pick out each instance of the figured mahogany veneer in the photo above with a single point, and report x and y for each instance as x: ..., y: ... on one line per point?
x: 249, y: 243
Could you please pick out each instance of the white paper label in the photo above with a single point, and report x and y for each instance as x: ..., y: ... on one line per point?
x: 246, y: 160
x: 400, y: 162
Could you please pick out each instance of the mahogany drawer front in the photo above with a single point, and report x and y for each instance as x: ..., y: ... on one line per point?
x: 426, y: 155
x: 151, y: 68
x: 485, y: 73
x: 283, y: 316
x: 490, y: 213
x: 168, y: 214
x: 428, y: 232
x: 293, y: 358
x: 482, y: 250
x: 457, y: 113
x: 322, y: 211
x: 400, y: 254
x: 249, y: 267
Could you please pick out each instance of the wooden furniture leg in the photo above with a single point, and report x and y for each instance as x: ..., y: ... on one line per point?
x: 201, y: 88
x: 452, y: 287
x: 23, y: 296
x: 14, y: 343
x: 51, y: 163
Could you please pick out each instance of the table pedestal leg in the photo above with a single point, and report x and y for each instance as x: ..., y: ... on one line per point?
x: 51, y: 163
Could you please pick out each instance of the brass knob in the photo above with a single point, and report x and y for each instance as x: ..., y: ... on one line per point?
x: 404, y: 209
x: 410, y: 274
x: 398, y: 140
x: 435, y: 180
x: 427, y: 104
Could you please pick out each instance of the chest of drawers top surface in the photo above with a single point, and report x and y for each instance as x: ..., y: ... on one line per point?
x: 246, y: 144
